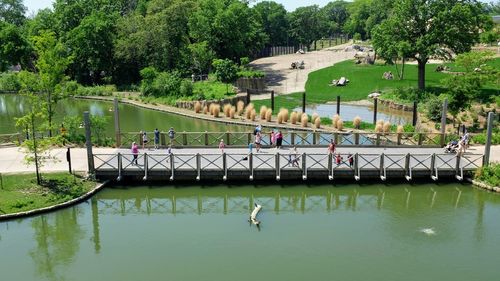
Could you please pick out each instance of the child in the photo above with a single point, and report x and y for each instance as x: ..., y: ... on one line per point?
x: 338, y: 159
x: 222, y: 145
x: 351, y: 159
x: 144, y: 139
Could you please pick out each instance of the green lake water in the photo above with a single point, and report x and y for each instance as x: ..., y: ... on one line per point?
x: 132, y: 118
x: 309, y: 232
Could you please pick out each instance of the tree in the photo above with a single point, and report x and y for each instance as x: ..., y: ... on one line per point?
x: 391, y: 46
x: 230, y: 28
x: 466, y: 87
x: 226, y: 71
x: 51, y: 65
x: 273, y: 19
x: 307, y: 24
x: 14, y: 48
x: 201, y: 56
x: 367, y: 14
x: 336, y: 14
x: 91, y: 45
x: 35, y: 120
x: 12, y: 11
x: 434, y: 28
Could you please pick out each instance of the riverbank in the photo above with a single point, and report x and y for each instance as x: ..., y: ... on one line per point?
x: 20, y: 195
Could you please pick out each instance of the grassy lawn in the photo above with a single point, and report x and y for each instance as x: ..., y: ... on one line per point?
x: 364, y: 79
x: 21, y: 193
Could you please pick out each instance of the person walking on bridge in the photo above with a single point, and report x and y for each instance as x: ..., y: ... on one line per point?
x: 222, y: 145
x: 157, y: 138
x: 135, y: 153
x: 331, y: 147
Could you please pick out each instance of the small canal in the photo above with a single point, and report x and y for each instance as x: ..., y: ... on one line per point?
x: 309, y: 232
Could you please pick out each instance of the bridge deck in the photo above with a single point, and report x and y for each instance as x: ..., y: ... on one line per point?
x: 307, y: 163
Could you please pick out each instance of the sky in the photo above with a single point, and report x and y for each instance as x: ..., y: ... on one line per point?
x: 290, y: 5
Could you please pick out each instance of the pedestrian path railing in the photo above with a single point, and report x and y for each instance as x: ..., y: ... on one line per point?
x: 15, y: 138
x: 290, y: 138
x: 292, y: 165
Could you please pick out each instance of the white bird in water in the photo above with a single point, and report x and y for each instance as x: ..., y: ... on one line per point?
x: 428, y: 231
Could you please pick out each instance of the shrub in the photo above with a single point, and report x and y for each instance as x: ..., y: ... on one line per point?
x: 317, y: 123
x: 433, y: 108
x: 490, y: 174
x: 106, y: 90
x: 304, y: 120
x: 269, y: 115
x: 356, y: 122
x: 227, y: 109
x: 408, y: 128
x: 186, y: 88
x: 240, y: 106
x: 293, y: 118
x: 9, y: 82
x: 253, y: 114
x: 340, y: 124
x: 197, y: 107
x: 262, y: 112
x: 232, y: 112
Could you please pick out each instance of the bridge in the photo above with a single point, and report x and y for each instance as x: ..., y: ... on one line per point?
x: 311, y: 162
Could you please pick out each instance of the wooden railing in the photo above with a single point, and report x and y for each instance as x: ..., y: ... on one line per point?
x: 286, y: 165
x: 290, y: 138
x: 11, y: 139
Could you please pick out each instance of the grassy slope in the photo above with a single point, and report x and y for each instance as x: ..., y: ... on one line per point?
x: 364, y: 79
x: 20, y: 192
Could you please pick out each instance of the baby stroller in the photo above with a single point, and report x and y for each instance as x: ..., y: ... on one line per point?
x: 451, y: 147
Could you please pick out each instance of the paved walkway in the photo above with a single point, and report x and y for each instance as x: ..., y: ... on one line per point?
x: 283, y: 80
x: 13, y: 157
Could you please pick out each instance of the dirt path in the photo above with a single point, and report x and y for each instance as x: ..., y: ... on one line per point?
x: 283, y: 80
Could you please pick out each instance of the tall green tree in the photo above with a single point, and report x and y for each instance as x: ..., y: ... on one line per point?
x: 434, y: 28
x: 12, y: 11
x: 226, y: 71
x: 336, y: 14
x: 307, y: 24
x: 91, y: 45
x: 230, y: 27
x: 273, y: 19
x: 14, y: 48
x: 51, y: 65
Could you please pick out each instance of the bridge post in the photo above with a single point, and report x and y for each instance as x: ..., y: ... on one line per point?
x: 314, y: 137
x: 117, y: 123
x: 228, y: 138
x: 249, y: 138
x: 487, y: 148
x: 336, y: 138
x: 120, y: 165
x: 304, y: 166
x: 224, y: 166
x: 433, y: 166
x: 338, y: 105
x: 356, y: 165
x: 377, y: 141
x: 382, y: 167
x: 172, y: 167
x: 457, y: 167
x: 206, y: 138
x: 145, y: 167
x: 356, y: 138
x: 184, y: 138
x: 375, y: 104
x: 278, y: 166
x: 415, y: 104
x: 198, y: 166
x: 330, y: 166
x: 407, y: 166
x: 304, y: 102
x: 420, y: 138
x: 292, y: 140
x: 272, y: 100
x: 250, y: 165
x: 443, y: 122
x: 88, y: 142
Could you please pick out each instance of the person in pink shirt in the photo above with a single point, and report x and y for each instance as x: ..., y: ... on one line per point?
x: 135, y: 152
x: 273, y: 138
x: 222, y: 145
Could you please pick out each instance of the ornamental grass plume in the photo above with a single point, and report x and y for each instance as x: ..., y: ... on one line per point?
x: 293, y: 118
x: 304, y: 120
x: 340, y: 124
x: 317, y: 123
x: 379, y: 128
x: 205, y: 109
x: 211, y: 109
x: 269, y: 115
x: 232, y: 112
x: 314, y: 117
x: 279, y: 118
x: 400, y: 129
x: 253, y: 114
x: 248, y: 110
x: 240, y: 106
x: 284, y: 112
x: 262, y: 112
x: 227, y: 109
x: 356, y: 122
x: 335, y: 118
x: 197, y: 107
x: 387, y: 127
x: 380, y: 122
x: 216, y: 110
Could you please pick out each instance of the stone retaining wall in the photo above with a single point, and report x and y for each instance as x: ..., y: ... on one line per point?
x: 394, y: 105
x: 190, y: 104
